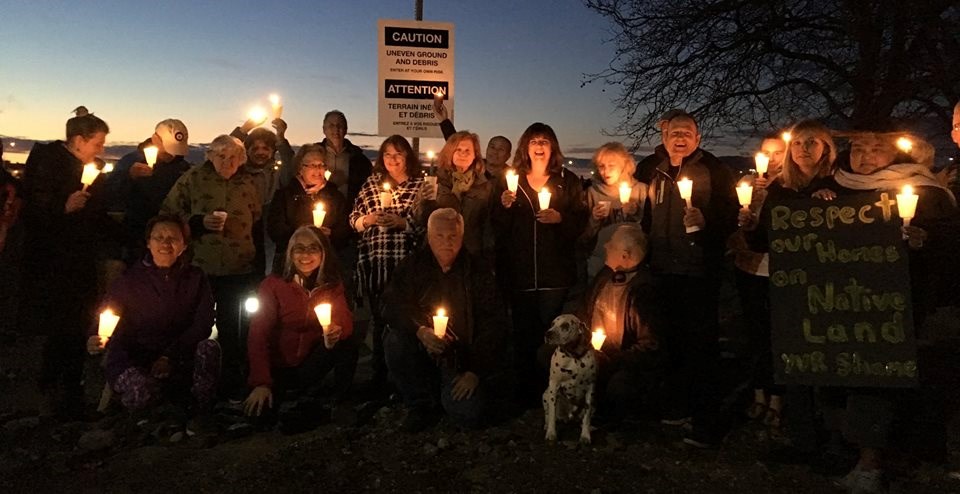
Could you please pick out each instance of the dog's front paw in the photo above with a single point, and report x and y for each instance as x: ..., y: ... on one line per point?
x: 585, y: 439
x: 551, y: 437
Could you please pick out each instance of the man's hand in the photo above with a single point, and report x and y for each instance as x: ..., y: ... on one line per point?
x: 331, y: 335
x: 140, y: 170
x: 464, y: 385
x: 253, y: 405
x: 213, y: 222
x: 915, y: 236
x: 434, y: 345
x: 76, y: 201
x: 95, y: 345
x: 693, y: 217
x: 747, y: 220
x: 281, y: 127
x: 161, y: 368
x: 508, y: 198
x: 549, y: 216
x: 825, y: 194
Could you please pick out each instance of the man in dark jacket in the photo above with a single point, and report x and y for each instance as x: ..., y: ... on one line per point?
x: 470, y: 355
x: 138, y: 189
x: 686, y: 256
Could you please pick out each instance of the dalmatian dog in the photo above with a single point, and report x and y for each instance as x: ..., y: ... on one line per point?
x: 573, y: 376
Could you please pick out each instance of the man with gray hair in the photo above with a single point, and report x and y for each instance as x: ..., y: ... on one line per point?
x: 465, y: 356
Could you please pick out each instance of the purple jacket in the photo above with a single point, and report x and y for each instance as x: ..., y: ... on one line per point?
x: 163, y: 312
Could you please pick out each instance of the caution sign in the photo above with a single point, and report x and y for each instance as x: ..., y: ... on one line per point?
x: 415, y: 63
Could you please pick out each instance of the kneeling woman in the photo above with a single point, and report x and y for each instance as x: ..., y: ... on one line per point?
x: 160, y: 347
x: 289, y: 350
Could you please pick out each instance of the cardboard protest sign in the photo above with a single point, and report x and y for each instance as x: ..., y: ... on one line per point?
x: 415, y: 62
x: 840, y: 293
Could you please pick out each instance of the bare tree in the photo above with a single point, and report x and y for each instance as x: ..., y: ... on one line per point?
x: 760, y: 64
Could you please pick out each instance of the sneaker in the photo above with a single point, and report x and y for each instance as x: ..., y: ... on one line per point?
x: 419, y: 419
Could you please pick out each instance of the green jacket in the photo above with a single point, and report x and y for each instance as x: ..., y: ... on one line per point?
x: 200, y: 191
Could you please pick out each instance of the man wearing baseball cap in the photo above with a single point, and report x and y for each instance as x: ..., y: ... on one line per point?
x: 139, y: 189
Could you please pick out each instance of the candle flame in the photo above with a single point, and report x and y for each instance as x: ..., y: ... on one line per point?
x: 431, y: 154
x: 318, y: 206
x: 386, y: 186
x: 441, y: 312
x: 905, y: 144
x: 257, y: 114
x: 786, y: 136
x: 907, y: 190
x: 274, y: 99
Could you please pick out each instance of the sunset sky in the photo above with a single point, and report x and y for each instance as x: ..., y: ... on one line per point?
x: 135, y: 63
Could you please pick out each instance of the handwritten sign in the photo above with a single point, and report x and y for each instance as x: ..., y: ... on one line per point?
x: 840, y: 293
x: 415, y: 63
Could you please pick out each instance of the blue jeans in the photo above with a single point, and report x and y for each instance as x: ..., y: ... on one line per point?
x: 423, y: 383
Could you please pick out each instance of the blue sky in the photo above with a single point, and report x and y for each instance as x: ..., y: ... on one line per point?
x: 135, y: 63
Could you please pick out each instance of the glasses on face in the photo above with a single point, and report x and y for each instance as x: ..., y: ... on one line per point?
x: 166, y: 240
x: 306, y: 249
x: 539, y: 142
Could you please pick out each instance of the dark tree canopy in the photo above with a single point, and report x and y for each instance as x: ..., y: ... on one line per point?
x: 761, y: 64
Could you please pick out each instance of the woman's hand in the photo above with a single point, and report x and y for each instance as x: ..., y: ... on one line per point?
x: 825, y: 194
x: 392, y: 221
x: 427, y: 192
x: 94, y: 345
x: 140, y: 170
x: 161, y: 368
x: 76, y: 201
x: 439, y: 109
x: 549, y: 216
x: 747, y: 220
x: 371, y: 219
x: 331, y: 335
x: 915, y: 236
x: 253, y: 405
x: 761, y: 182
x: 630, y: 207
x: 601, y: 211
x: 326, y: 230
x: 464, y: 386
x: 507, y: 198
x: 433, y: 344
x: 281, y: 127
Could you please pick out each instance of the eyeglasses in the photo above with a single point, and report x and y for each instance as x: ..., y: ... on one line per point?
x: 306, y: 249
x: 166, y: 240
x: 539, y: 142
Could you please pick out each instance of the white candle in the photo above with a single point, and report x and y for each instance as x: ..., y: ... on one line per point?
x: 107, y: 168
x: 257, y: 115
x: 686, y: 190
x: 386, y: 197
x: 276, y: 106
x: 762, y: 163
x: 513, y: 181
x: 544, y: 197
x: 625, y: 192
x: 108, y: 323
x: 90, y: 173
x: 150, y: 154
x: 597, y: 339
x: 324, y: 315
x: 907, y: 204
x: 318, y: 215
x: 745, y: 194
x: 440, y: 323
x: 326, y: 175
x: 786, y: 136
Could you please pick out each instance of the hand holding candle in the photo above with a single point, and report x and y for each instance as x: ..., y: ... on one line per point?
x: 440, y: 323
x: 544, y: 198
x: 625, y: 192
x: 597, y: 338
x: 762, y: 163
x: 90, y: 173
x: 318, y: 215
x: 150, y: 154
x: 513, y: 181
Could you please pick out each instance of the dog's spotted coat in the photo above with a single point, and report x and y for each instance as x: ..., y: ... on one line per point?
x: 573, y: 376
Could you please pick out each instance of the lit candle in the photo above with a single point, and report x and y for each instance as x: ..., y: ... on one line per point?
x: 686, y: 193
x: 257, y: 115
x: 762, y: 162
x: 597, y: 339
x: 431, y: 155
x: 905, y: 144
x: 324, y: 315
x: 326, y: 175
x: 276, y: 106
x: 440, y: 323
x: 107, y: 168
x: 625, y: 192
x: 786, y: 136
x: 513, y: 181
x: 907, y: 204
x: 745, y: 194
x: 318, y: 214
x: 90, y: 173
x: 150, y: 154
x: 544, y: 197
x: 108, y: 323
x: 386, y: 197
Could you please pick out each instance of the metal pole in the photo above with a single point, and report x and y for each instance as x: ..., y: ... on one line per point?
x: 418, y: 15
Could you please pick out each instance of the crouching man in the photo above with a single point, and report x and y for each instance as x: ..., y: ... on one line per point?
x: 623, y: 302
x: 451, y: 373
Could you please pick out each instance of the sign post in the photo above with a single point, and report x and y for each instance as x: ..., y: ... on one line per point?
x: 840, y: 293
x: 415, y: 62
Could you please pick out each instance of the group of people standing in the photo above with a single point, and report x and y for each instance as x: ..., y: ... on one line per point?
x: 501, y: 248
